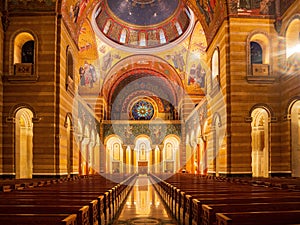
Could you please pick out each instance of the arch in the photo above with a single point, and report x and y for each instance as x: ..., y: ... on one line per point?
x: 84, y: 150
x: 107, y: 26
x: 258, y: 53
x: 294, y: 112
x: 123, y: 36
x: 217, y: 142
x: 70, y: 84
x: 260, y: 133
x: 127, y: 77
x: 69, y: 120
x: 124, y: 68
x: 92, y: 153
x: 24, y: 50
x: 170, y: 154
x: 114, y: 154
x: 21, y: 39
x: 142, y: 39
x: 290, y: 104
x: 217, y: 121
x: 199, y: 148
x: 292, y: 35
x: 13, y: 110
x: 142, y: 150
x: 69, y: 130
x: 178, y: 28
x: 162, y: 36
x: 23, y: 143
x: 269, y: 110
x: 215, y: 64
x: 215, y: 70
x: 204, y: 138
x: 292, y: 41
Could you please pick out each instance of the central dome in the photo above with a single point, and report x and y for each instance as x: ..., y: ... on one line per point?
x: 143, y: 12
x: 142, y: 24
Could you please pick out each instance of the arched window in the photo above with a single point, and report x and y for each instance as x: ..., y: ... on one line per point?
x: 178, y: 28
x: 162, y: 37
x: 24, y: 54
x: 24, y: 48
x: 188, y: 13
x: 258, y: 57
x: 70, y: 85
x: 70, y: 65
x: 123, y: 36
x: 215, y: 64
x: 106, y: 27
x: 215, y: 70
x: 142, y: 39
x: 256, y: 53
x: 293, y: 46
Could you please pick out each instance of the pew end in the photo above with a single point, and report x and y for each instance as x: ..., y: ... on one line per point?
x: 70, y: 220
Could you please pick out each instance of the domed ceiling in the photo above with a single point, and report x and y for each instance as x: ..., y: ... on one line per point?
x: 143, y: 12
x: 142, y: 24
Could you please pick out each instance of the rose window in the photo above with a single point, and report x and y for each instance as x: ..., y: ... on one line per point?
x: 142, y: 110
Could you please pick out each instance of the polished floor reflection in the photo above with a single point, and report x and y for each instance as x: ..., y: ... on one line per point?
x: 144, y: 206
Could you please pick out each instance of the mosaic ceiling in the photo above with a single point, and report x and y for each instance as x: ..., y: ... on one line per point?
x: 143, y: 12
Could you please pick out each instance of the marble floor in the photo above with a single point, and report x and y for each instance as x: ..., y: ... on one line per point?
x: 144, y: 206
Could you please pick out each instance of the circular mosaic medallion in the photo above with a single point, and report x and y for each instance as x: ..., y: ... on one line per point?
x: 142, y: 110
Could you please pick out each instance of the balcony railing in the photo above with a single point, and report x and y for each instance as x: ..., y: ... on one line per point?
x: 23, y: 69
x: 22, y: 72
x: 260, y: 69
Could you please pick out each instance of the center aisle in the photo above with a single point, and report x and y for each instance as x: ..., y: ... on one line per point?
x: 144, y: 206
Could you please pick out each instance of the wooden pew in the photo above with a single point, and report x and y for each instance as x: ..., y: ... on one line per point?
x: 194, y: 205
x: 82, y: 192
x: 82, y: 213
x: 209, y: 211
x: 187, y: 207
x: 259, y: 218
x: 42, y: 219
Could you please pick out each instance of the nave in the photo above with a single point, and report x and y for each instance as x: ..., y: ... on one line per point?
x: 160, y: 198
x: 144, y: 206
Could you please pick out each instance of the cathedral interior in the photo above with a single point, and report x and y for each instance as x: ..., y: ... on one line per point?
x: 122, y: 87
x: 141, y: 86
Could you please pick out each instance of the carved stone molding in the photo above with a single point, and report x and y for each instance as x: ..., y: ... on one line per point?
x: 20, y: 79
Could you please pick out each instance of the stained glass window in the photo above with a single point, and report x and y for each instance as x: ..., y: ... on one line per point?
x: 142, y: 110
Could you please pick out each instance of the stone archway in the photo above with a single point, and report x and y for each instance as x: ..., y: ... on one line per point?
x: 23, y: 144
x: 260, y: 142
x: 295, y: 139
